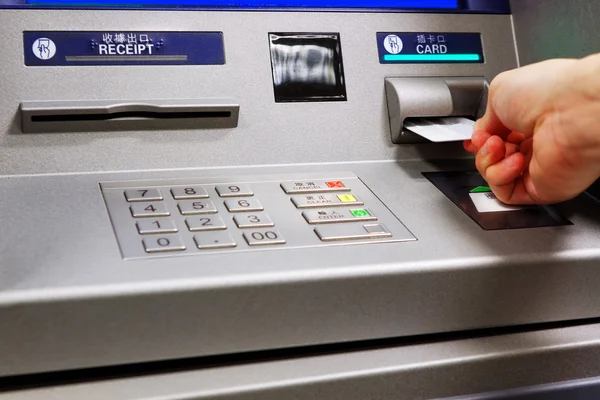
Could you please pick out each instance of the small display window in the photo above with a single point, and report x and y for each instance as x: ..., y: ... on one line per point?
x: 307, y: 67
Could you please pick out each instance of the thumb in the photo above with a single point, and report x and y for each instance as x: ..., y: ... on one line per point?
x: 490, y: 122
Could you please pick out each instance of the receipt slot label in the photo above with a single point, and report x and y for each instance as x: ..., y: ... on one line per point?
x: 114, y: 48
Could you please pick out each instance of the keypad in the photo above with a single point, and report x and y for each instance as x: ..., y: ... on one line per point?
x: 177, y: 217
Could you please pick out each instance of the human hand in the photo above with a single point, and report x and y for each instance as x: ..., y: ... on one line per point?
x: 539, y: 141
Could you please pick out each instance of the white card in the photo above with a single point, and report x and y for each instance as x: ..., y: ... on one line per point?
x: 449, y: 129
x: 487, y: 202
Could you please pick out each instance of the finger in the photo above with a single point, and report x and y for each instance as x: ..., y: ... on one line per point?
x: 516, y: 137
x: 468, y: 145
x: 518, y: 194
x: 492, y: 152
x: 506, y: 171
x: 510, y: 149
x: 524, y: 192
x: 526, y: 147
x: 490, y: 122
x: 479, y: 138
x: 505, y: 180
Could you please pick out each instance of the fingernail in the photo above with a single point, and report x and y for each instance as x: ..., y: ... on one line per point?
x: 485, y: 150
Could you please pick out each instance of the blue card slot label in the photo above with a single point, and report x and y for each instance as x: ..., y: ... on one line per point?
x: 429, y: 48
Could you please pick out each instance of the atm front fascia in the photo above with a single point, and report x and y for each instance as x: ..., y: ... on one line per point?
x: 261, y: 192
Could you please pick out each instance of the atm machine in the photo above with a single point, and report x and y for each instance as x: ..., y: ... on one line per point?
x: 217, y: 199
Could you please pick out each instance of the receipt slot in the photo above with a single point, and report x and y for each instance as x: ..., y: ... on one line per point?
x: 411, y: 99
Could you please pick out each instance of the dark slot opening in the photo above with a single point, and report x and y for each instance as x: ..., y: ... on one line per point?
x: 130, y: 114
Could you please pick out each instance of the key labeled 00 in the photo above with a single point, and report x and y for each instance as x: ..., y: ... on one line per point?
x: 258, y: 238
x: 270, y: 235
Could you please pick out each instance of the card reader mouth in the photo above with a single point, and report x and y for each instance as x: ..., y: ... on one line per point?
x: 418, y: 105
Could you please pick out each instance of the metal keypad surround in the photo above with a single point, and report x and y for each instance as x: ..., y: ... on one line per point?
x: 280, y: 224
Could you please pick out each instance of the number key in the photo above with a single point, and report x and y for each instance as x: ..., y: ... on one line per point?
x: 163, y: 244
x: 189, y: 192
x: 133, y: 195
x: 154, y: 226
x: 142, y: 210
x: 197, y: 207
x: 254, y: 220
x: 234, y: 191
x: 264, y: 238
x: 208, y: 223
x: 250, y: 205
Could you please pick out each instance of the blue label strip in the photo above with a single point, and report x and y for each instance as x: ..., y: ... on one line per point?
x: 123, y: 48
x: 429, y: 48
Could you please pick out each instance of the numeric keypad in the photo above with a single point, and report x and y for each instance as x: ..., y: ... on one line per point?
x: 200, y: 215
x: 213, y: 215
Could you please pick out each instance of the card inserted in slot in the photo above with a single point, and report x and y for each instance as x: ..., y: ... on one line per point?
x: 447, y: 129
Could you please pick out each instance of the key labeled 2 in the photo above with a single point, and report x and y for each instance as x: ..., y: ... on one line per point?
x: 205, y: 223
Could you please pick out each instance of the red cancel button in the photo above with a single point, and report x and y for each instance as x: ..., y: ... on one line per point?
x: 335, y: 184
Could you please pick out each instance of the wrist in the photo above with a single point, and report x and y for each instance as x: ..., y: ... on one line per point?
x: 588, y: 76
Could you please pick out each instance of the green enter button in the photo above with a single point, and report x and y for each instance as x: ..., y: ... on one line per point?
x: 360, y: 213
